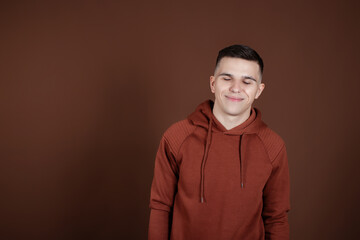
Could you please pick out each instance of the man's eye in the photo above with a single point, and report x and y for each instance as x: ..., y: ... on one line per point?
x: 247, y: 82
x: 227, y: 79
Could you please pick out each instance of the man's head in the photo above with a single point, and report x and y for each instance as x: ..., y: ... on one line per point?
x: 236, y: 82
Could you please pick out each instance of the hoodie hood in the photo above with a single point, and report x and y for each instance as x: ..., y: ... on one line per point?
x: 204, y: 118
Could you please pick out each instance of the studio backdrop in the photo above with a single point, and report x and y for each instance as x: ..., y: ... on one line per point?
x: 88, y: 87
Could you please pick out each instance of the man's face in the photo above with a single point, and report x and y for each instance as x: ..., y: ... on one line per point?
x: 236, y: 84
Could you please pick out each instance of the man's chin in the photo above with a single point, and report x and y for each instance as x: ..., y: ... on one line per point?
x: 237, y: 112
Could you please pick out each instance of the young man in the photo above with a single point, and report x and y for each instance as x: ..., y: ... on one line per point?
x: 222, y: 174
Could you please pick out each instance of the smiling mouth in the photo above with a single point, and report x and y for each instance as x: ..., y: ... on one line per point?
x: 234, y: 99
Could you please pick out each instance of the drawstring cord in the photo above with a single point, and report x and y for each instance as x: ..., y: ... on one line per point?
x: 241, y: 164
x: 207, y: 146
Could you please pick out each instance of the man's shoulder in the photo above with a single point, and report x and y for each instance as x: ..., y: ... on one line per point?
x: 177, y: 133
x: 272, y: 141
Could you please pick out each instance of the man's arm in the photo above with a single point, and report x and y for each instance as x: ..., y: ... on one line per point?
x: 276, y: 199
x: 163, y: 190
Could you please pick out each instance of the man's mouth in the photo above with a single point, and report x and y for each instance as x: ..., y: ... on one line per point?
x: 234, y: 99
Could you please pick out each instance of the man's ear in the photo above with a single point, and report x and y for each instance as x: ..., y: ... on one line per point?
x: 212, y: 82
x: 259, y: 91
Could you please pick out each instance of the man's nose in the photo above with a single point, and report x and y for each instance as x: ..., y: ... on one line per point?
x: 236, y: 86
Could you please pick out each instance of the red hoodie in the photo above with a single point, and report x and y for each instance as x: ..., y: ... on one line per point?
x: 212, y: 183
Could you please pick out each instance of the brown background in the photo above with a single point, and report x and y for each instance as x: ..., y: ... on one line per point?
x: 87, y: 89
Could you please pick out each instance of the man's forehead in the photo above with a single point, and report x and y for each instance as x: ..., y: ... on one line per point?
x: 225, y: 61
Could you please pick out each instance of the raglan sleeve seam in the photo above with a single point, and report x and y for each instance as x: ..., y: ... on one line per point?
x: 176, y: 152
x: 277, y: 155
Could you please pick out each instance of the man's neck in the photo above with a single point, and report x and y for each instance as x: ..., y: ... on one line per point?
x: 229, y: 121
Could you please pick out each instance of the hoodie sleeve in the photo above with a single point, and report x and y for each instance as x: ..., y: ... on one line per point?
x: 276, y: 199
x: 162, y: 194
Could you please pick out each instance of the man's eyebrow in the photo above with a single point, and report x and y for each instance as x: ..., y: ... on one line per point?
x: 249, y: 77
x: 226, y: 74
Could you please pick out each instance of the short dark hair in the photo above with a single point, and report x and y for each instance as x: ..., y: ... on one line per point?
x: 240, y: 51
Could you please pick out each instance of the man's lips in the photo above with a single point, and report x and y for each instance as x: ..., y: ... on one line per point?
x: 234, y: 99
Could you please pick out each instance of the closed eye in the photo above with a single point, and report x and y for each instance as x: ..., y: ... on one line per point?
x: 246, y: 82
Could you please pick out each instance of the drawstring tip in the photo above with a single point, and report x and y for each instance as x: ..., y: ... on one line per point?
x: 202, y: 200
x: 242, y: 185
